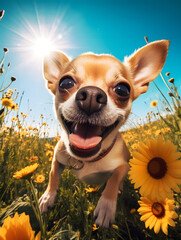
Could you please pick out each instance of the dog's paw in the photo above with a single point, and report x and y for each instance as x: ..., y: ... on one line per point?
x: 105, y: 212
x: 47, y: 200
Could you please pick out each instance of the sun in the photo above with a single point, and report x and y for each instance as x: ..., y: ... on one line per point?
x: 42, y: 46
x: 36, y: 39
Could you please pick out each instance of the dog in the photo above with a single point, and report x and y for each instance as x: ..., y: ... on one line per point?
x: 93, y: 98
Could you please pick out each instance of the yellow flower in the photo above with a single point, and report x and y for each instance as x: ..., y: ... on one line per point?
x: 26, y: 172
x: 115, y: 226
x: 14, y: 106
x: 133, y: 210
x: 33, y: 158
x: 44, y: 124
x: 154, y: 103
x: 155, y: 169
x: 39, y: 179
x: 157, y: 214
x: 18, y: 228
x: 49, y: 153
x: 6, y: 102
x: 94, y: 228
x: 14, y: 119
x: 91, y: 189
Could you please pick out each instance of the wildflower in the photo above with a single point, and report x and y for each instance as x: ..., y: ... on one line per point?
x: 6, y: 102
x: 18, y: 228
x: 171, y: 80
x: 14, y: 106
x: 13, y: 119
x: 115, y: 226
x: 157, y: 214
x: 49, y: 146
x: 39, y: 179
x: 158, y: 132
x: 33, y: 158
x: 155, y: 168
x: 26, y: 172
x: 154, y: 103
x: 49, y: 153
x: 94, y: 228
x: 44, y: 123
x: 133, y: 210
x: 91, y: 189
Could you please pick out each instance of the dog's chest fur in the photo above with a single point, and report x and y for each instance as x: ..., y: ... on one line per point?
x: 96, y: 172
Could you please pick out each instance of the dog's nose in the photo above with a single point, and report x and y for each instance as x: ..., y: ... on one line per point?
x: 91, y: 99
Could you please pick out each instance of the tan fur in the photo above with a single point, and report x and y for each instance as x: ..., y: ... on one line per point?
x: 105, y: 72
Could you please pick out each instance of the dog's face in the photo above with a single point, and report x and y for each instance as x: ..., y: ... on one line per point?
x: 94, y: 94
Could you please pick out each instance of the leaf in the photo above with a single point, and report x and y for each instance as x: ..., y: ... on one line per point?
x: 65, y: 234
x: 20, y: 205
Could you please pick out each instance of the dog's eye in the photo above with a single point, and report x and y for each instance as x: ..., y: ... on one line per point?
x: 66, y: 83
x: 122, y: 90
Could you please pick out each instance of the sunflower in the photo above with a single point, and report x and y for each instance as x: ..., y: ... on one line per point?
x: 6, y: 102
x: 155, y: 168
x: 157, y: 214
x: 18, y: 228
x: 26, y: 172
x: 39, y: 179
x: 154, y: 103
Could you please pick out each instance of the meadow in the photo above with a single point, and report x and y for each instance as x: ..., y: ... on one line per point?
x: 146, y: 210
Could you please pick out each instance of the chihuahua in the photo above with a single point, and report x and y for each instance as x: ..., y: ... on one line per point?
x: 93, y: 99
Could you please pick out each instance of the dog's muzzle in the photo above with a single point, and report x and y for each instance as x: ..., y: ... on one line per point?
x: 91, y: 99
x: 85, y: 137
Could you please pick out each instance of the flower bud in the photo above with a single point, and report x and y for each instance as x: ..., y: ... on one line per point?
x: 170, y: 94
x: 167, y: 74
x: 146, y: 39
x: 5, y: 49
x: 1, y: 14
x: 171, y: 80
x: 13, y: 79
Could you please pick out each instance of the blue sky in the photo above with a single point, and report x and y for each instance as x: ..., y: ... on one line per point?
x: 116, y: 27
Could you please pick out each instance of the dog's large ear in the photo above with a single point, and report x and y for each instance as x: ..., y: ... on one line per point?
x: 146, y: 64
x: 52, y: 68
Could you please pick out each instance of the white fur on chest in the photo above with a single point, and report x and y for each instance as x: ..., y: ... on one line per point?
x: 97, y: 172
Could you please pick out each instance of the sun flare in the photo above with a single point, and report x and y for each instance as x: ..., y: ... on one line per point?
x: 43, y: 46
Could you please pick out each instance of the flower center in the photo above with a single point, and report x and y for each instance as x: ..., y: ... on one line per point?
x: 157, y: 168
x: 158, y: 210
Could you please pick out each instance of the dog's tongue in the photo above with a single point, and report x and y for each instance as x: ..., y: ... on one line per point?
x: 85, y: 136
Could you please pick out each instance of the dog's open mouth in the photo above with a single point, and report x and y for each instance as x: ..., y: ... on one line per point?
x: 85, y: 138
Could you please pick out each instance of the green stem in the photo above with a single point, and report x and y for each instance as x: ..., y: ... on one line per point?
x: 6, y: 87
x: 4, y: 77
x: 40, y: 220
x: 118, y: 235
x: 128, y: 230
x: 163, y: 95
x: 2, y: 59
x: 169, y: 87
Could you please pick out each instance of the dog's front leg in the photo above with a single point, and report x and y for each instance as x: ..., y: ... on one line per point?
x: 48, y: 198
x: 106, y: 207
